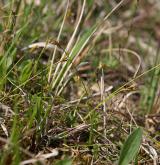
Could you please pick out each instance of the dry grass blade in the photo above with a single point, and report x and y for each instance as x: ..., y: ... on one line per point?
x: 104, y: 104
x: 60, y: 31
x: 40, y: 158
x: 44, y: 45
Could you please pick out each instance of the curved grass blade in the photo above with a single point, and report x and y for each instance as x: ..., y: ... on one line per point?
x: 130, y: 147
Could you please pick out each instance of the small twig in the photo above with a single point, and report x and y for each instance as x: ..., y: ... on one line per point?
x: 104, y: 103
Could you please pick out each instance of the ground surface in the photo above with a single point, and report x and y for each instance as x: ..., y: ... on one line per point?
x: 77, y: 77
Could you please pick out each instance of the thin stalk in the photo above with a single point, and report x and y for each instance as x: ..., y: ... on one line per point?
x: 154, y: 85
x: 55, y: 49
x: 104, y: 104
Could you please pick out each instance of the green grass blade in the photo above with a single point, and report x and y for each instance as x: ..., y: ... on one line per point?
x: 154, y: 82
x: 75, y: 52
x: 130, y: 147
x: 153, y: 90
x: 25, y: 71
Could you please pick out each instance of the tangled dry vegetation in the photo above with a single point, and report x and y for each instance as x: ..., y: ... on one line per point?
x: 77, y: 77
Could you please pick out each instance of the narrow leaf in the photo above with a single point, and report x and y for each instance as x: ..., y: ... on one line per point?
x: 130, y: 147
